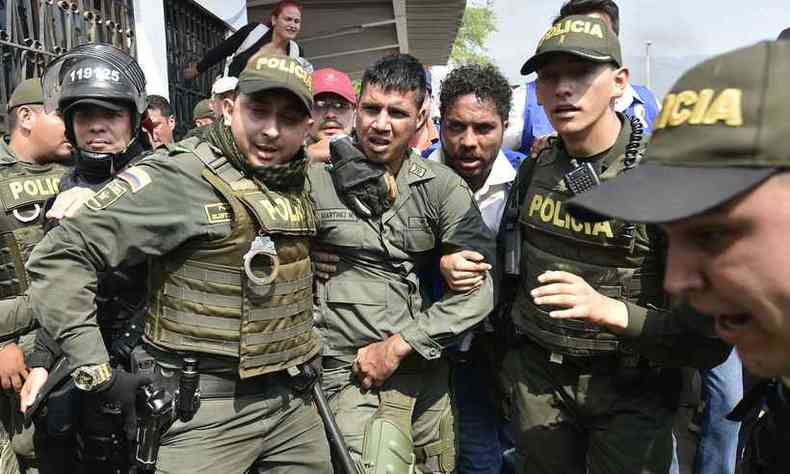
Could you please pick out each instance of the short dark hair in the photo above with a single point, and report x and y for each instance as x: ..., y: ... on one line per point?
x: 483, y: 80
x: 585, y: 7
x: 399, y: 72
x: 12, y: 120
x: 157, y: 102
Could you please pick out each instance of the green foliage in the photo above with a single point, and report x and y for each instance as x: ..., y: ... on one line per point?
x: 478, y: 23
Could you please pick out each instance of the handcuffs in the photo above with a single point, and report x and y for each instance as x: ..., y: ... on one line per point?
x: 262, y: 245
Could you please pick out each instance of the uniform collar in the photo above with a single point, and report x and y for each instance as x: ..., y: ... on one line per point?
x: 502, y: 171
x: 7, y: 156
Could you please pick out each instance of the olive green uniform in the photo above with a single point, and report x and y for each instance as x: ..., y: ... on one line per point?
x: 582, y: 399
x: 375, y: 293
x: 24, y: 188
x: 194, y: 216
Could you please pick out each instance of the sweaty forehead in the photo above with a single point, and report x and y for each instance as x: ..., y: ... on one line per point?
x: 471, y: 108
x: 390, y: 96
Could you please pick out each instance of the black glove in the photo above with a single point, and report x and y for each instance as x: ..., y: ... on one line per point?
x: 121, y: 390
x: 359, y: 182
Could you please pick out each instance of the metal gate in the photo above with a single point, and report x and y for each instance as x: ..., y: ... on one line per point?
x: 191, y: 31
x: 32, y: 32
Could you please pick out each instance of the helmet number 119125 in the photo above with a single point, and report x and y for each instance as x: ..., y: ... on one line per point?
x: 99, y: 73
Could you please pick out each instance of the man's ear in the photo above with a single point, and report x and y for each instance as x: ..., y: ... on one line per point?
x: 227, y: 110
x: 422, y: 115
x: 26, y: 118
x: 620, y: 82
x: 171, y: 122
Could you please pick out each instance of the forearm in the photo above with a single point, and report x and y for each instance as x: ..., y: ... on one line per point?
x: 45, y: 352
x: 16, y: 319
x: 439, y: 326
x: 675, y: 338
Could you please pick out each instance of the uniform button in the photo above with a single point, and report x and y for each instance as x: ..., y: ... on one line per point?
x: 433, y: 352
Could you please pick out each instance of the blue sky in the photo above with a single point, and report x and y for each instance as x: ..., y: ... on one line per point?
x: 683, y: 33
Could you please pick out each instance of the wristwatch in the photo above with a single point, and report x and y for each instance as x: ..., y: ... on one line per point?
x: 89, y: 377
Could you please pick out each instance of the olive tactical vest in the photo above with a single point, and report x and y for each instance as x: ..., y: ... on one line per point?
x: 23, y: 191
x: 615, y: 258
x: 201, y: 298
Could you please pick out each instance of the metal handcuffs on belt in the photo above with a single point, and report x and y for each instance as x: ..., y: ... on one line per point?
x: 28, y: 217
x: 262, y: 245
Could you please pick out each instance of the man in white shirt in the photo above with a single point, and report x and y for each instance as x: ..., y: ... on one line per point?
x: 474, y: 104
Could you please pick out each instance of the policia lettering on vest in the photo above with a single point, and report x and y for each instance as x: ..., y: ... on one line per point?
x: 192, y: 211
x: 591, y: 377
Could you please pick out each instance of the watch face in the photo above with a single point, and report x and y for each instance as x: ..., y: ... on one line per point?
x: 83, y: 379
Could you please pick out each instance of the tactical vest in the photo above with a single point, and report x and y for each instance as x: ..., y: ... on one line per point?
x: 201, y: 298
x: 23, y: 192
x: 615, y: 258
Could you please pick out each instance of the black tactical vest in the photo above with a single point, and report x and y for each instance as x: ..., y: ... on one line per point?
x: 614, y: 257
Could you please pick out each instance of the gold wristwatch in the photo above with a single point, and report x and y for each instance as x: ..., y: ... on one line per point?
x: 88, y: 377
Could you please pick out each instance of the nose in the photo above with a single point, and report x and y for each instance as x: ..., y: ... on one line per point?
x: 381, y: 122
x: 564, y: 86
x: 271, y: 128
x: 468, y: 138
x: 683, y: 270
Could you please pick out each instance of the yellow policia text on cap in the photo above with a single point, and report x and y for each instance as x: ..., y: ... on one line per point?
x: 704, y: 107
x: 572, y: 26
x: 286, y: 65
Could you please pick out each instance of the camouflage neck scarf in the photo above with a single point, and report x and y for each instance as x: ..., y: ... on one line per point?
x: 289, y: 176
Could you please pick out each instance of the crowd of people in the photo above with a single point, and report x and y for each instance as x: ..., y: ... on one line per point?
x: 319, y: 278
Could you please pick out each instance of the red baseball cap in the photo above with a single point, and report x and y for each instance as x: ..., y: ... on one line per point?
x: 334, y: 81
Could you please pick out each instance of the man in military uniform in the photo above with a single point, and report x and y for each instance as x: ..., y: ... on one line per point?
x: 29, y: 175
x: 103, y: 121
x: 587, y: 374
x: 386, y: 220
x: 716, y: 178
x: 202, y: 114
x: 225, y: 225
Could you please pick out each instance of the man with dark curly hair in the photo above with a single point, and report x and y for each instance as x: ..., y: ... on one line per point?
x: 474, y: 105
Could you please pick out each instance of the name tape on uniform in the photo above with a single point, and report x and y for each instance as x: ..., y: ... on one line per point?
x: 219, y: 213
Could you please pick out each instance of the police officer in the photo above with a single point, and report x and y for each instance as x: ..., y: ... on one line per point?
x: 202, y: 114
x: 587, y: 373
x: 225, y: 225
x: 30, y: 171
x: 716, y: 179
x: 386, y: 212
x: 103, y: 118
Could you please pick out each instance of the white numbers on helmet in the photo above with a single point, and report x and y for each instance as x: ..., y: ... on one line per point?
x: 101, y: 73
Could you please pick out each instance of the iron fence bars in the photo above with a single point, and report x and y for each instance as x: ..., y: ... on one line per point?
x: 190, y: 31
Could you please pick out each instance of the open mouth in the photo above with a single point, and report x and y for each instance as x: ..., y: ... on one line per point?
x: 378, y: 143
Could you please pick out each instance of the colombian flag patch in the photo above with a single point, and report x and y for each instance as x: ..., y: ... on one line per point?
x: 136, y: 178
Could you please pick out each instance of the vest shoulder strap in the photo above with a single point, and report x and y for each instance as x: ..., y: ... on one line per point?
x: 218, y: 164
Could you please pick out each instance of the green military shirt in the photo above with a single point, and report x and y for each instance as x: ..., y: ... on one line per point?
x: 151, y: 209
x: 24, y: 188
x: 375, y: 292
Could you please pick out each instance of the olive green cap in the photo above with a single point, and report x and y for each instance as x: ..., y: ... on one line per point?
x: 723, y: 130
x: 27, y: 92
x: 580, y: 35
x: 278, y: 72
x: 202, y: 110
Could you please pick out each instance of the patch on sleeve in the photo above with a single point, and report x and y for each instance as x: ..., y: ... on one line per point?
x: 417, y: 170
x: 136, y: 178
x: 219, y: 213
x: 106, y: 196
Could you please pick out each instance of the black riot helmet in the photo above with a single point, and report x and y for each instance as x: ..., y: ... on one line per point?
x: 101, y: 75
